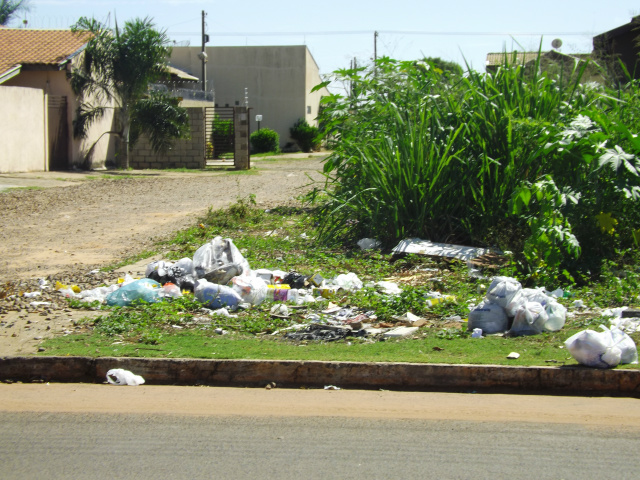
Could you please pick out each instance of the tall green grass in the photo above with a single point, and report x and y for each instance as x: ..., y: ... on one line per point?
x: 460, y: 158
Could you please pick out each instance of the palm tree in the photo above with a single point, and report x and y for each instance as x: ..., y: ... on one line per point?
x: 117, y: 69
x: 9, y: 9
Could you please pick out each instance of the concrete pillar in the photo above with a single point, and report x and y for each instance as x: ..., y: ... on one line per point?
x: 241, y: 133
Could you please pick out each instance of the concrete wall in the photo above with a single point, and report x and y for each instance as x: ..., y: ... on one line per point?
x: 23, y: 130
x: 183, y: 154
x: 278, y: 79
x: 55, y: 83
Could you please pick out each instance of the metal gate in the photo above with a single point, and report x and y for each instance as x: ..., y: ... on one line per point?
x: 219, y: 134
x: 58, y: 132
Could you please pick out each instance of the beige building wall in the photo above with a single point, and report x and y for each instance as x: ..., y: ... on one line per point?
x: 54, y: 82
x: 278, y: 80
x: 23, y: 130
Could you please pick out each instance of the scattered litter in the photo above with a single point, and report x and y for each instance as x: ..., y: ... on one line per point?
x: 32, y: 294
x: 348, y: 281
x: 425, y: 247
x: 439, y: 298
x: 477, y: 333
x: 280, y: 310
x: 387, y: 288
x: 39, y: 304
x: 369, y: 243
x: 513, y: 356
x: 410, y: 319
x: 328, y: 333
x: 144, y: 290
x: 331, y: 387
x: 119, y: 376
x: 400, y: 332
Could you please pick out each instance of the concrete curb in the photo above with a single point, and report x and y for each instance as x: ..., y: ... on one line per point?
x: 315, y: 374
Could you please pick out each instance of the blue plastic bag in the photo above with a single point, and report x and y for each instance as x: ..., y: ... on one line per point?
x: 216, y: 296
x: 145, y: 289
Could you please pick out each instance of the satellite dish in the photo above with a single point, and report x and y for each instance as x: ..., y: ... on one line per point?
x: 557, y: 43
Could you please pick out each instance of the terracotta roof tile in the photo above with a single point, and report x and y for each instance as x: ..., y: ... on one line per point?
x: 19, y: 46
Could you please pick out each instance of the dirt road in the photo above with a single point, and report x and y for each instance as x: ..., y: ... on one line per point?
x: 73, y: 223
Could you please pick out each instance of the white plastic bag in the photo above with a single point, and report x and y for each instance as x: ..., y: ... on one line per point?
x: 557, y: 314
x: 348, y: 281
x: 502, y: 290
x: 530, y: 319
x: 489, y: 317
x: 119, y: 376
x: 219, y: 261
x: 253, y: 290
x: 594, y: 349
x: 628, y: 349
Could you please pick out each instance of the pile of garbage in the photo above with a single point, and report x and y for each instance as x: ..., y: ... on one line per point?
x: 221, y: 279
x: 507, y: 307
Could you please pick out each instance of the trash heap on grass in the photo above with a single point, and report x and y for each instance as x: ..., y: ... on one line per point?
x: 222, y: 281
x: 509, y: 308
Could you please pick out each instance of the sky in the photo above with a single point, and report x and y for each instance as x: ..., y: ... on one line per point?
x: 336, y: 31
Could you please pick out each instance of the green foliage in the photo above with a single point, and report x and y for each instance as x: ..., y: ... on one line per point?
x: 161, y: 118
x: 265, y: 140
x: 451, y: 157
x: 306, y: 136
x: 10, y: 8
x: 273, y: 239
x: 118, y: 67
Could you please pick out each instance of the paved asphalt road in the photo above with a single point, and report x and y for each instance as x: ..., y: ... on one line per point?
x: 81, y: 439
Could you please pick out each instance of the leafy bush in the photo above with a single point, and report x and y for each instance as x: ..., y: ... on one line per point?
x: 306, y: 136
x: 449, y: 158
x: 265, y: 140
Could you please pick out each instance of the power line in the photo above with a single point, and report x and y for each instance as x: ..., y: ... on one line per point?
x: 392, y: 32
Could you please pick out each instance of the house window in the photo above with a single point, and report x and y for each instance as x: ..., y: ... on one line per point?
x: 226, y: 104
x: 237, y: 103
x: 308, y: 109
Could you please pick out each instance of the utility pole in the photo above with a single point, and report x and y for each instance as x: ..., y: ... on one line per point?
x: 204, y: 55
x: 375, y: 53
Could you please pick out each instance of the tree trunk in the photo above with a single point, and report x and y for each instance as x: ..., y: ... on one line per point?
x: 124, y: 147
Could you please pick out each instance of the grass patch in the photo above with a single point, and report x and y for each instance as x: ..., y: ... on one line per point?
x: 284, y: 238
x: 251, y: 171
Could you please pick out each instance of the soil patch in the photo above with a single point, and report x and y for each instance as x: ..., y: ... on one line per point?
x: 73, y: 224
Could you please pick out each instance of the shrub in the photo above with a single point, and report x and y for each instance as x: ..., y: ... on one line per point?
x: 265, y: 140
x: 305, y: 135
x: 552, y: 159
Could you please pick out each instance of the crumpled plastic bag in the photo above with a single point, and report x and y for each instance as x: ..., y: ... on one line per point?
x: 503, y: 290
x: 182, y: 273
x: 530, y: 319
x: 604, y: 349
x: 145, y: 289
x: 216, y: 296
x: 489, y: 317
x: 348, y: 281
x: 252, y: 290
x: 219, y: 261
x: 557, y: 314
x: 119, y: 376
